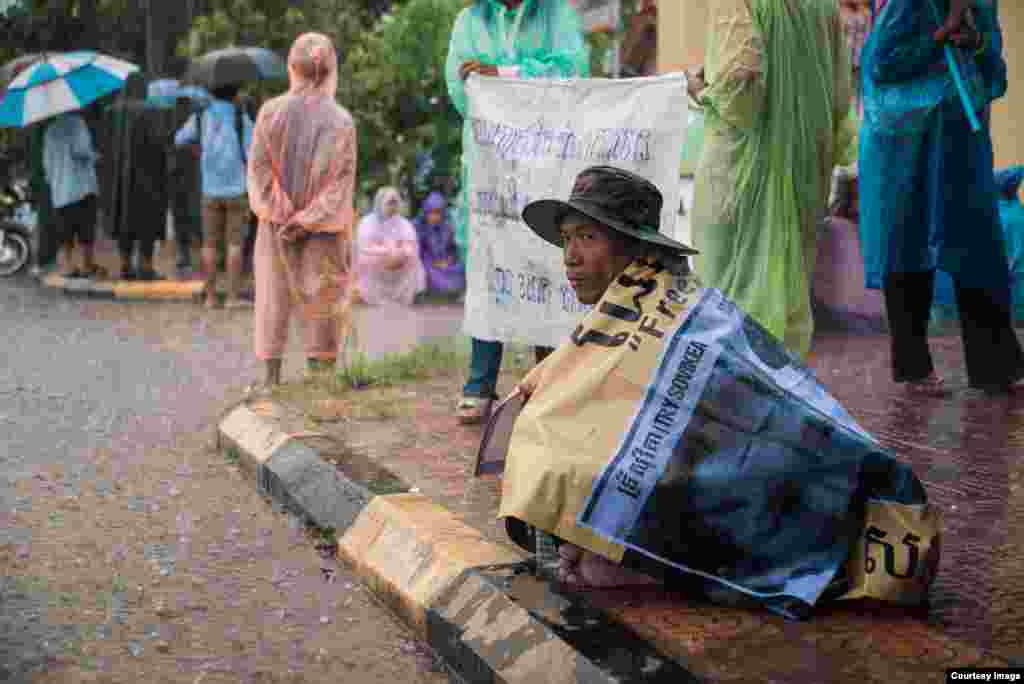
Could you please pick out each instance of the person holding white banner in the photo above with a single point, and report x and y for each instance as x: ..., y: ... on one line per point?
x: 516, y: 39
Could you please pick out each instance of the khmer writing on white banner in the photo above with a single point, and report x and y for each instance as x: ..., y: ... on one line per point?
x: 528, y: 139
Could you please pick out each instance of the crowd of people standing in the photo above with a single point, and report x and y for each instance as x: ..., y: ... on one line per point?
x: 781, y: 92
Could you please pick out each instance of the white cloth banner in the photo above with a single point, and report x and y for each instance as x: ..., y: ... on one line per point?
x: 528, y: 140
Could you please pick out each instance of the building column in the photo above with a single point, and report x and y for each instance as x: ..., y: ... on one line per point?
x: 682, y: 31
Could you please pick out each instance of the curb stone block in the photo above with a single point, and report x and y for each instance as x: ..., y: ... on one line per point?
x: 476, y: 602
x: 252, y: 436
x: 166, y: 290
x: 296, y: 476
x: 108, y: 289
x: 503, y: 625
x: 409, y: 549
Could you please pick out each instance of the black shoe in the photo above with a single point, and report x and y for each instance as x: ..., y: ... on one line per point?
x: 149, y: 275
x: 129, y: 274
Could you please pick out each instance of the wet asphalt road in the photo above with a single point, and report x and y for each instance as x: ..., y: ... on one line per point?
x: 129, y: 548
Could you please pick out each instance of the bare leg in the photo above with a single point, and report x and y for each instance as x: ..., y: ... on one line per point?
x: 67, y: 252
x: 88, y: 260
x: 584, y: 570
x: 209, y: 260
x: 234, y: 269
x: 273, y: 372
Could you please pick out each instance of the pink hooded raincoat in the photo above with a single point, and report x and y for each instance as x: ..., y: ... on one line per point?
x: 388, y: 254
x: 301, y: 177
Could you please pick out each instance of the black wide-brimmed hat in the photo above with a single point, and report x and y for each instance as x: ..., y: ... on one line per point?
x: 616, y: 198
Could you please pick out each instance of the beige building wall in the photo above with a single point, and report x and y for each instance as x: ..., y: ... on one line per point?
x: 683, y: 28
x: 1007, y: 119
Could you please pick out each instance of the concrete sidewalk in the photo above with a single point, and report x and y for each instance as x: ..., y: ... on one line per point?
x: 421, y: 531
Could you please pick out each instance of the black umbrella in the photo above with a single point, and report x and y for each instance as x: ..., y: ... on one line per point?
x: 234, y: 66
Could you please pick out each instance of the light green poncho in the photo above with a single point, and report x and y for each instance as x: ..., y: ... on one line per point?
x: 776, y: 104
x: 539, y: 39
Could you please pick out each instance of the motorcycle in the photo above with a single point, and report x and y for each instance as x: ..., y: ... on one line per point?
x: 15, y: 228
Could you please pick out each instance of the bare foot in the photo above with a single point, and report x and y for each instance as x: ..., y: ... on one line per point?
x: 585, y: 570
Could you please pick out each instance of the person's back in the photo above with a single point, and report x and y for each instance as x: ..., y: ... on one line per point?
x: 69, y: 160
x: 778, y: 94
x: 224, y: 135
x: 301, y: 182
x: 221, y: 157
x: 302, y: 152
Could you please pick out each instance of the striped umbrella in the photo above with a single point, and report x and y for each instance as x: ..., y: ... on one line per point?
x: 61, y: 83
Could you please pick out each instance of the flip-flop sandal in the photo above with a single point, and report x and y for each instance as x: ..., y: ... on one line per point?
x: 258, y: 390
x: 473, y: 410
x: 97, y: 272
x: 931, y: 386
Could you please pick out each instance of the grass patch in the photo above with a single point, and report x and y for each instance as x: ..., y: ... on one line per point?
x: 422, y: 362
x: 232, y: 455
x: 376, y: 389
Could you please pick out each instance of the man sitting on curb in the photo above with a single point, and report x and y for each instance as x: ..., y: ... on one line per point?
x: 674, y: 440
x: 609, y: 222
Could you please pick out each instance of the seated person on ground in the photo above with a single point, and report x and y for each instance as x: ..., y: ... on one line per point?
x: 387, y: 254
x: 673, y: 440
x: 440, y: 255
x: 610, y: 221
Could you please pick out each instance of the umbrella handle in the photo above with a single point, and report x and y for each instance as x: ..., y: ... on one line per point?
x: 958, y: 79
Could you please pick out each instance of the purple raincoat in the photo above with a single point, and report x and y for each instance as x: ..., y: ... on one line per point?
x: 438, y: 252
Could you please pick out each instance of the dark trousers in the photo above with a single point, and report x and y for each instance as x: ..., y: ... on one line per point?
x: 991, y: 350
x: 126, y: 245
x: 484, y: 366
x: 188, y: 230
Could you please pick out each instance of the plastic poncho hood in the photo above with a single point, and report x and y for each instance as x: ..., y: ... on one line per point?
x: 302, y: 167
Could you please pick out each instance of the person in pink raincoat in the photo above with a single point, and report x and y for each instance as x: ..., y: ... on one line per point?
x: 301, y: 177
x: 388, y: 254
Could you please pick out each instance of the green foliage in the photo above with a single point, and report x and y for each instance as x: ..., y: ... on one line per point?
x: 401, y: 102
x: 391, y: 69
x: 391, y: 73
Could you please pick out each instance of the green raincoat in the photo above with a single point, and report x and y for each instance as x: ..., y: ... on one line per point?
x: 776, y: 116
x: 538, y: 39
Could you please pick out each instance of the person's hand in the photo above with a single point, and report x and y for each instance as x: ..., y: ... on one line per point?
x: 521, y: 391
x: 968, y: 36
x: 395, y: 263
x: 695, y: 83
x: 476, y: 67
x: 954, y: 20
x: 292, y: 232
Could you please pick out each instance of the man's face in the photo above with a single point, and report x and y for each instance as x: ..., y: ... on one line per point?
x: 592, y: 257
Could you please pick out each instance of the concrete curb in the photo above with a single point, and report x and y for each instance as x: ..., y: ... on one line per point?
x: 478, y: 604
x: 163, y: 290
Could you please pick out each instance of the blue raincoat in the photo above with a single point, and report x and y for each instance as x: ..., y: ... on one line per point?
x: 1011, y: 215
x: 927, y: 192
